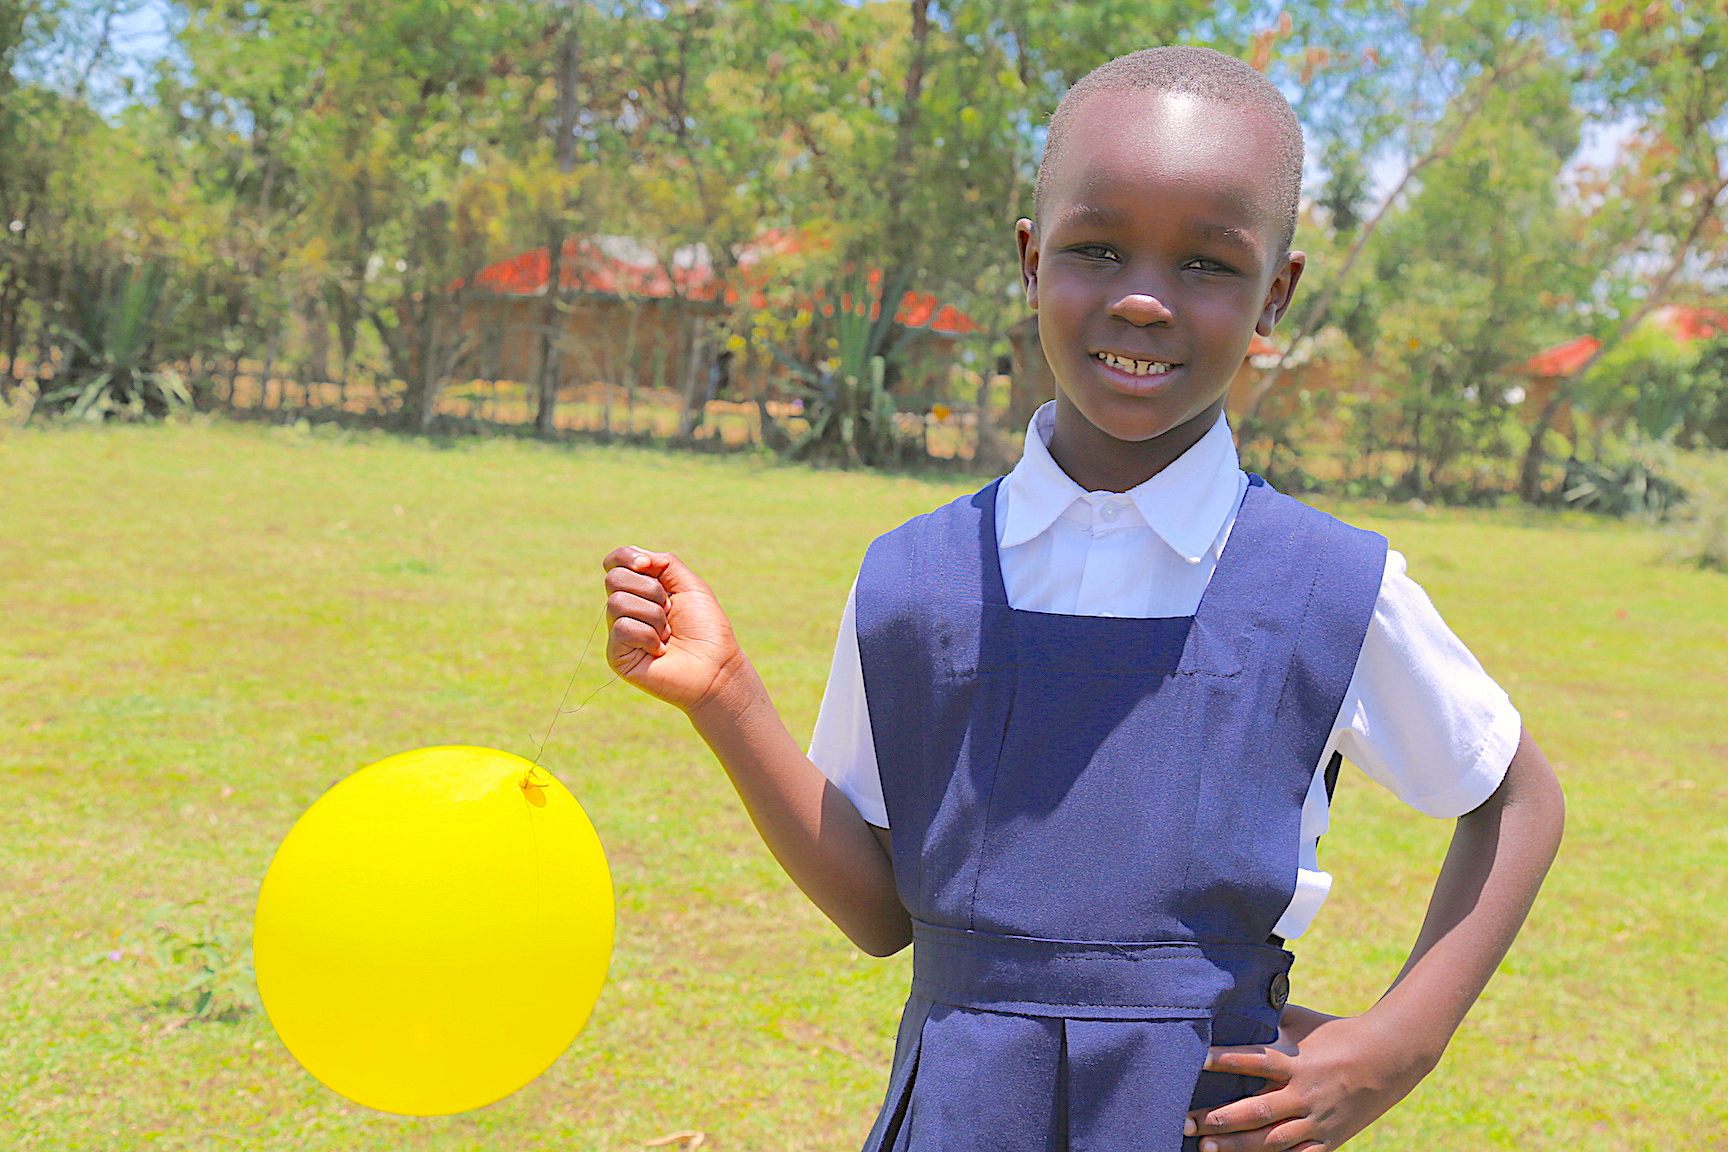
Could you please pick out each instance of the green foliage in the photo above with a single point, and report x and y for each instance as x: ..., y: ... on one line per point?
x: 1346, y: 187
x: 1278, y: 445
x: 1651, y: 384
x: 1649, y: 398
x: 108, y: 367
x: 1633, y: 486
x: 843, y: 381
x: 1650, y: 222
x: 205, y: 969
x: 1463, y: 285
x: 1707, y: 424
x: 1700, y: 525
x: 1653, y: 480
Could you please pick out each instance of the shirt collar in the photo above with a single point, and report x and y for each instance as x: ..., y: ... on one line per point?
x: 1186, y: 504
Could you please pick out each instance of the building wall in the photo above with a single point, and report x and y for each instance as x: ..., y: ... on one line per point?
x: 1536, y: 396
x: 647, y: 343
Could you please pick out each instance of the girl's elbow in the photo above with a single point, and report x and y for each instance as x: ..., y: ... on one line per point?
x: 881, y: 940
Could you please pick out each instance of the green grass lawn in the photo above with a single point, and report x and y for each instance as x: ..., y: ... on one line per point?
x: 202, y: 627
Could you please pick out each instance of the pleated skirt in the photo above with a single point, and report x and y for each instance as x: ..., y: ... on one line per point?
x: 972, y: 1080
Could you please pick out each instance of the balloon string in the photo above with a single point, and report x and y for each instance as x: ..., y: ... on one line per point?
x: 563, y: 711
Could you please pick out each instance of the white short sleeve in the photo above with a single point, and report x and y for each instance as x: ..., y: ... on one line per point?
x: 842, y: 746
x: 1421, y: 717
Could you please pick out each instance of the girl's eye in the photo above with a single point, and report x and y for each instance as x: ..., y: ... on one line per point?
x: 1093, y: 251
x: 1201, y: 264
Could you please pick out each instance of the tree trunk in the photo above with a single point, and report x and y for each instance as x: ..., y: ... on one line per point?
x: 566, y: 109
x: 424, y: 402
x: 990, y: 458
x: 316, y: 366
x: 12, y: 324
x: 546, y: 379
x: 903, y: 235
x: 695, y: 385
x: 268, y: 371
x: 568, y: 106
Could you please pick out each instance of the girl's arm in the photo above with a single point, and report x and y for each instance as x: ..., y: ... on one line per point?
x: 1337, y: 1075
x: 670, y: 638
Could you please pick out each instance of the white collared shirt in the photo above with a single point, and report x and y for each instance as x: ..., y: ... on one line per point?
x: 1420, y: 717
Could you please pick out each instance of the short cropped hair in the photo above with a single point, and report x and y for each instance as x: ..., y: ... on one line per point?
x: 1202, y: 72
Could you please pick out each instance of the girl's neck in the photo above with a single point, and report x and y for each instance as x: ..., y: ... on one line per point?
x: 1099, y: 462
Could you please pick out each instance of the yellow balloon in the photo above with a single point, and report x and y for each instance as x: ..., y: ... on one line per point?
x: 434, y: 931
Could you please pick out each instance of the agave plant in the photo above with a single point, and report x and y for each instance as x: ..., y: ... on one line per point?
x: 108, y: 344
x: 850, y: 408
x: 1634, y: 488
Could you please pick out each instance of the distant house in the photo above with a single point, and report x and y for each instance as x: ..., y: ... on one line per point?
x: 632, y: 316
x: 1550, y: 366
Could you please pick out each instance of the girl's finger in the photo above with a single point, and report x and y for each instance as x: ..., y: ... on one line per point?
x: 635, y: 559
x: 1248, y: 1114
x: 672, y: 573
x: 1294, y: 1136
x: 1251, y: 1060
x: 628, y: 634
x: 625, y: 605
x: 636, y: 583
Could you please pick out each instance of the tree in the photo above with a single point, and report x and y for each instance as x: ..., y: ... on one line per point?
x: 1455, y: 60
x: 1471, y: 278
x: 1661, y: 209
x: 349, y: 146
x: 564, y: 30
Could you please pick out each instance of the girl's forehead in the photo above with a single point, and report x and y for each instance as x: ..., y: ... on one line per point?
x: 1127, y: 148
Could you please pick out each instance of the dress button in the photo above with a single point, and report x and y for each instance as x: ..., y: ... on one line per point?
x: 1278, y: 994
x: 1109, y: 512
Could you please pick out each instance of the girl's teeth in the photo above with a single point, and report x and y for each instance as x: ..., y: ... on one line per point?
x: 1135, y: 367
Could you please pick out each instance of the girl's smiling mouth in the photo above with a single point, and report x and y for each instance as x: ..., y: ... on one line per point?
x: 1137, y: 368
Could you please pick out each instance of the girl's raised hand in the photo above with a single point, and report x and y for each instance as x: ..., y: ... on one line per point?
x: 667, y: 635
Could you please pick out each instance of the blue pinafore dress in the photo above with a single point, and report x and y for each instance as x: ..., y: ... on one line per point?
x: 1095, y: 824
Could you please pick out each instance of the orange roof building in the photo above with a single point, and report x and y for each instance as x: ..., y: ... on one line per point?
x: 1549, y: 367
x: 1686, y: 323
x: 1563, y: 359
x: 625, y: 268
x: 632, y: 316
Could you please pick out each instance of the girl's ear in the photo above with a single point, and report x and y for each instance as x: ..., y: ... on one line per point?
x: 1279, y: 295
x: 1026, y: 235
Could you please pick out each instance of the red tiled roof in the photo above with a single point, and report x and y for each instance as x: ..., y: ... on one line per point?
x: 1563, y: 359
x: 618, y: 266
x: 1688, y: 324
x: 586, y: 266
x: 1682, y: 321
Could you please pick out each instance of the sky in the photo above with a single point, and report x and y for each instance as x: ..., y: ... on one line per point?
x: 138, y: 39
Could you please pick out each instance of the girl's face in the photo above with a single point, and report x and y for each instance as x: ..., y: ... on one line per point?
x: 1158, y: 254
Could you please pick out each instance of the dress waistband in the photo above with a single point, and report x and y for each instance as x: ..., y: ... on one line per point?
x: 1097, y: 979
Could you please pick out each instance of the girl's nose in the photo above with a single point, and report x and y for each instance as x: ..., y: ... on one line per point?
x: 1142, y: 310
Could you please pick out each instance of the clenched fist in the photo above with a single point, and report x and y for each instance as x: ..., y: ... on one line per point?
x: 667, y: 635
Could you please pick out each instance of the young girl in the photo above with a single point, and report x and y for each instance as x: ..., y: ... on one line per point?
x: 1077, y: 750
